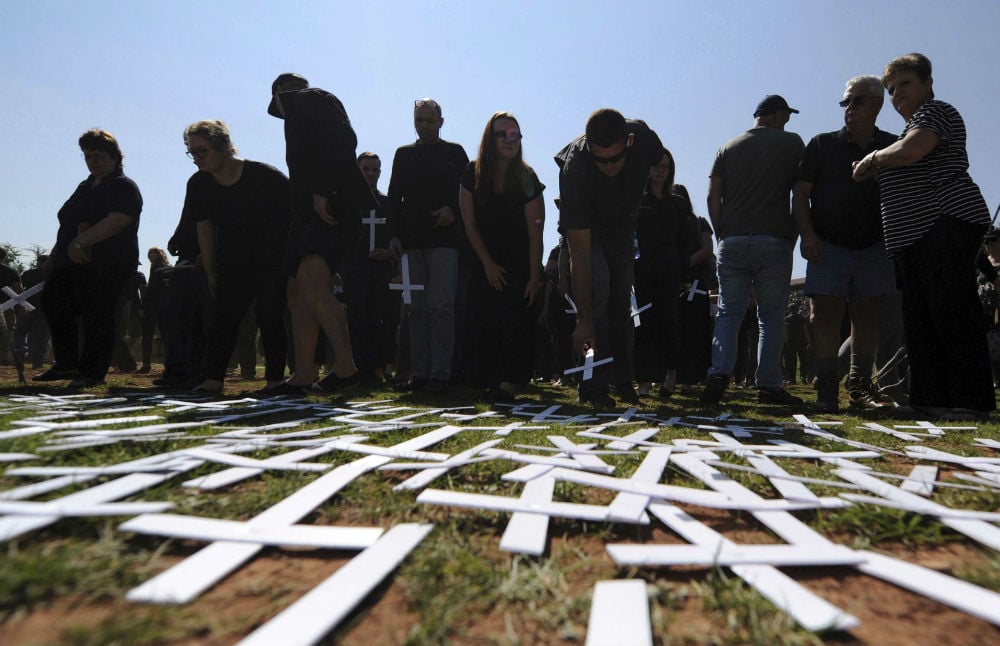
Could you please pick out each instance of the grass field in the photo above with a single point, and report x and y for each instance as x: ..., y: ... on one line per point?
x: 65, y: 584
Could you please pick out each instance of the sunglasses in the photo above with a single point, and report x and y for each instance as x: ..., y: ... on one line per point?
x: 609, y: 160
x: 431, y: 103
x: 507, y: 135
x: 858, y: 100
x: 198, y: 152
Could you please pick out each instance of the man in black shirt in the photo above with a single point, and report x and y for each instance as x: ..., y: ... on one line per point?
x: 31, y: 334
x: 602, y: 176
x: 423, y: 214
x: 841, y: 226
x: 328, y: 194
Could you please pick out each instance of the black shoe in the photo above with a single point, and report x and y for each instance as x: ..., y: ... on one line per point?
x: 626, y: 393
x: 777, y: 397
x: 143, y: 370
x: 174, y: 380
x: 436, y: 387
x: 598, y: 400
x: 498, y: 396
x: 665, y: 393
x: 714, y: 389
x: 202, y: 390
x: 56, y: 373
x: 85, y: 382
x: 284, y: 388
x: 332, y: 383
x: 413, y: 384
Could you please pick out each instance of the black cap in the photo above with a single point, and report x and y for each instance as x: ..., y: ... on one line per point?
x: 771, y: 104
x: 287, y: 77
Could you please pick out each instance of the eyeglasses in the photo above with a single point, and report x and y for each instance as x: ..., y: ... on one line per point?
x: 507, y: 135
x: 857, y: 100
x: 609, y: 160
x: 200, y: 153
x: 98, y: 155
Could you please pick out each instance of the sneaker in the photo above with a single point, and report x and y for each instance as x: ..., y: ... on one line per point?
x: 827, y: 394
x: 144, y: 369
x: 644, y: 390
x: 412, y: 384
x: 332, y: 383
x: 777, y: 397
x: 598, y: 399
x: 862, y: 394
x: 56, y: 373
x: 172, y: 380
x: 85, y: 382
x: 665, y: 392
x: 626, y: 393
x: 713, y: 389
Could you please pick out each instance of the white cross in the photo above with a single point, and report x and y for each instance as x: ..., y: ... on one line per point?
x: 22, y: 298
x: 588, y: 365
x: 371, y: 221
x: 406, y: 287
x: 694, y: 290
x: 572, y: 305
x: 636, y: 310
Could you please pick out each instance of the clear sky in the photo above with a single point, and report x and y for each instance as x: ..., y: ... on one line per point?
x: 693, y: 70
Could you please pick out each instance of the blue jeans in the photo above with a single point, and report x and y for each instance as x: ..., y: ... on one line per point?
x: 763, y: 263
x: 611, y: 278
x: 432, y: 316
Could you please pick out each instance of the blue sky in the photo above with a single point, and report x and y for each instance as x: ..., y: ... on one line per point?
x: 693, y: 70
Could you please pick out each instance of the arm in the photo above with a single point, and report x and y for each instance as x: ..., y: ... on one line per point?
x: 704, y: 252
x: 715, y: 202
x: 206, y: 244
x: 811, y: 246
x: 917, y: 144
x: 494, y: 272
x: 579, y: 250
x: 100, y: 231
x: 534, y: 215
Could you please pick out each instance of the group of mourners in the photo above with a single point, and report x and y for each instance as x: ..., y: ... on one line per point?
x: 443, y: 278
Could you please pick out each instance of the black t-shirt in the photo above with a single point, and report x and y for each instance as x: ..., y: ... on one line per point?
x: 251, y: 216
x: 843, y: 211
x: 90, y: 204
x: 424, y: 179
x: 364, y: 242
x: 500, y: 220
x: 591, y: 200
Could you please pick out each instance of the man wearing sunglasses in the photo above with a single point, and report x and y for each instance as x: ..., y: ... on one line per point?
x: 602, y: 176
x: 748, y: 201
x: 841, y: 226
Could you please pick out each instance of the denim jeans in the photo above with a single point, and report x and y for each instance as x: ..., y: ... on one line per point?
x: 763, y: 263
x: 432, y: 316
x: 611, y: 278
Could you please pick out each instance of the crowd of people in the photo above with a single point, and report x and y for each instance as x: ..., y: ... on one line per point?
x: 441, y: 279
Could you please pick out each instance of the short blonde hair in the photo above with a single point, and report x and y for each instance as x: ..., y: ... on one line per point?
x: 216, y: 132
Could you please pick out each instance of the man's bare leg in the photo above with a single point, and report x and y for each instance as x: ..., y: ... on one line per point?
x: 313, y: 285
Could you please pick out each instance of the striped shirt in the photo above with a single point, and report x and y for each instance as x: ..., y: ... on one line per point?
x: 915, y: 196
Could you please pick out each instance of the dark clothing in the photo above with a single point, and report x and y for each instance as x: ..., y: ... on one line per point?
x: 501, y: 223
x: 589, y: 199
x: 501, y: 319
x: 251, y: 223
x: 665, y: 244
x: 8, y: 276
x: 844, y: 212
x: 186, y: 322
x: 319, y: 151
x: 944, y: 327
x: 606, y: 206
x: 757, y: 170
x: 370, y: 315
x: 425, y: 178
x: 694, y: 316
x: 251, y: 217
x: 90, y: 204
x: 154, y: 303
x: 29, y: 279
x: 89, y: 292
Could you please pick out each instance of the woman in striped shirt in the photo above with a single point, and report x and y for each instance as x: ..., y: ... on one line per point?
x: 934, y: 217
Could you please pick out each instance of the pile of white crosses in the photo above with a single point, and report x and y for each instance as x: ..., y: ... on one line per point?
x: 619, y: 611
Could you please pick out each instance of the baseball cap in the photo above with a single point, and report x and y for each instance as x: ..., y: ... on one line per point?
x: 287, y: 77
x: 771, y: 104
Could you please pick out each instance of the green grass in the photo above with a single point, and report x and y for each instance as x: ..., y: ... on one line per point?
x: 458, y: 587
